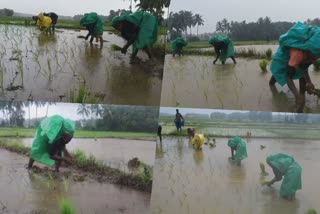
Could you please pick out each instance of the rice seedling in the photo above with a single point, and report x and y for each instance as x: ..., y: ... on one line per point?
x: 269, y: 53
x: 311, y: 211
x: 115, y: 47
x: 49, y: 69
x: 263, y: 65
x: 263, y: 170
x: 66, y: 206
x: 316, y: 64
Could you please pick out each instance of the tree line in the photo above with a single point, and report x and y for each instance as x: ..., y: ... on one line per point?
x: 118, y: 118
x: 182, y: 21
x: 6, y: 12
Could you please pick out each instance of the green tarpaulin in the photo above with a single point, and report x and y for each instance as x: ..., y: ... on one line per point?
x: 90, y: 18
x: 48, y: 130
x: 178, y: 43
x: 241, y: 149
x: 291, y: 171
x: 300, y: 36
x: 147, y: 24
x: 226, y: 52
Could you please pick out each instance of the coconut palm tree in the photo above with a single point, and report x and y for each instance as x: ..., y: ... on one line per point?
x: 83, y: 110
x: 199, y: 21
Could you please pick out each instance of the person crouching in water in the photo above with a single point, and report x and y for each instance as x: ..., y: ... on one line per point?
x: 49, y: 145
x: 238, y: 145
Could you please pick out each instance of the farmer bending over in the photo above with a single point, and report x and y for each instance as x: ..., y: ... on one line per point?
x: 43, y: 22
x: 139, y: 29
x: 49, y: 145
x: 223, y: 47
x: 54, y: 18
x: 191, y: 133
x: 298, y: 49
x: 285, y: 165
x: 94, y: 25
x: 177, y: 46
x: 238, y: 145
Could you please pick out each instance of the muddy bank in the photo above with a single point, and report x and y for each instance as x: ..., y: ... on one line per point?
x: 88, y: 167
x: 113, y: 152
x: 29, y: 193
x: 238, y: 87
x: 64, y: 68
x: 188, y: 181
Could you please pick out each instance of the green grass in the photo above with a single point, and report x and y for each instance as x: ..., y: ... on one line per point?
x: 221, y: 128
x: 205, y: 44
x: 25, y: 132
x: 15, y: 146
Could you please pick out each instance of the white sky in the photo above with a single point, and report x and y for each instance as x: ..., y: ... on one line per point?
x: 65, y: 7
x: 249, y: 10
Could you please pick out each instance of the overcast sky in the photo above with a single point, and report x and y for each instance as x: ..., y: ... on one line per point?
x: 249, y: 10
x: 65, y: 7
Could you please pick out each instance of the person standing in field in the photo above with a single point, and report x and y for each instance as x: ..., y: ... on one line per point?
x: 94, y: 25
x: 298, y: 49
x: 160, y: 133
x: 54, y: 18
x: 285, y: 166
x: 223, y: 47
x: 139, y: 29
x: 238, y: 145
x: 49, y: 145
x: 179, y: 121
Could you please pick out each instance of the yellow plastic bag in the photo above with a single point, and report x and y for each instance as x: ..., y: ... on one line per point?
x: 44, y: 22
x: 197, y: 141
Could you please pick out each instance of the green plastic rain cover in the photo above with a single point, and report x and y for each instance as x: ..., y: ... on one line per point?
x: 178, y: 42
x: 241, y: 151
x: 300, y: 36
x: 147, y: 24
x: 48, y: 130
x: 291, y: 171
x: 90, y: 18
x: 225, y: 53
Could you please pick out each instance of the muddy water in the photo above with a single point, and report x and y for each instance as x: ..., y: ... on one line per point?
x: 114, y: 152
x: 55, y: 67
x: 194, y: 82
x: 187, y: 181
x: 26, y: 193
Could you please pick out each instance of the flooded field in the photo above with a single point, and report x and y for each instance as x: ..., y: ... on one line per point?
x: 62, y: 67
x: 29, y: 193
x: 114, y: 152
x: 189, y: 181
x: 258, y: 48
x: 194, y: 82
